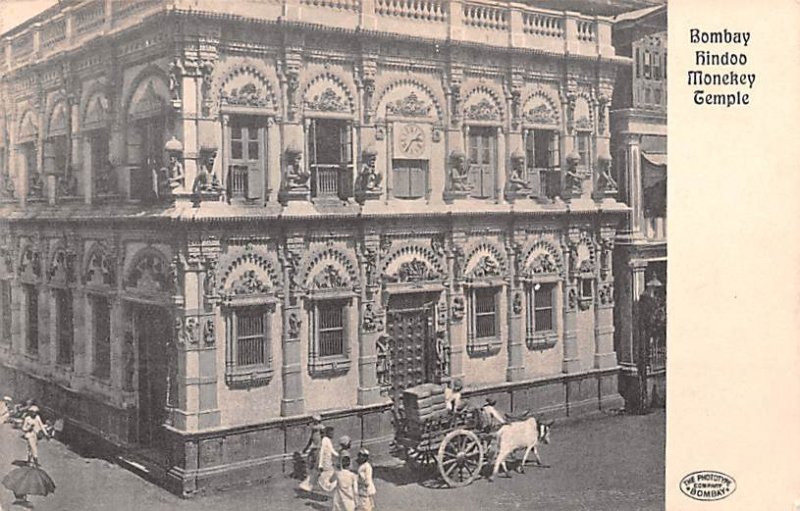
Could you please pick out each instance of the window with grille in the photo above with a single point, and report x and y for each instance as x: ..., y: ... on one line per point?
x: 410, y: 178
x: 543, y: 159
x: 64, y: 331
x: 587, y: 288
x: 249, y: 346
x: 583, y: 140
x: 482, y: 161
x: 247, y: 162
x: 329, y: 346
x: 540, y: 324
x: 5, y: 311
x: 98, y: 145
x: 32, y: 309
x: 101, y: 336
x: 146, y: 154
x: 330, y: 329
x: 483, y: 327
x: 330, y: 154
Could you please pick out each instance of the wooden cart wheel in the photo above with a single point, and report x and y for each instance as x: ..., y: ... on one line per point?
x: 460, y: 457
x: 420, y: 459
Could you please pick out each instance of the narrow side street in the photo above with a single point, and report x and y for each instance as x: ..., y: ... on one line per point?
x: 613, y: 463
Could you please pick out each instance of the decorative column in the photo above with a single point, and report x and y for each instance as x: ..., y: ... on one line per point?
x: 516, y: 333
x: 458, y: 306
x: 292, y: 402
x: 371, y: 321
x: 116, y: 334
x: 604, y: 356
x: 633, y: 184
x: 571, y: 362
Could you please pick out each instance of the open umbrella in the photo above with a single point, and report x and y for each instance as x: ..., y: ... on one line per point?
x: 29, y: 480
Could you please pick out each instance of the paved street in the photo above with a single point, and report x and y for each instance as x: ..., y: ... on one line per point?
x: 613, y: 463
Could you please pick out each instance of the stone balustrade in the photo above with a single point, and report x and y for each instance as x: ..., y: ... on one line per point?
x: 507, y: 24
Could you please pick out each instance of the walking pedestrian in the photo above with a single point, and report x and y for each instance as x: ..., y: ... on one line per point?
x: 344, y: 485
x: 326, y: 455
x: 344, y: 446
x: 366, y: 487
x: 5, y: 410
x: 311, y: 451
x: 30, y: 479
x: 32, y: 429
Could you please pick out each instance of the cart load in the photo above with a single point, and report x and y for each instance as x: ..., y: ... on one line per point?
x: 424, y: 402
x: 433, y: 436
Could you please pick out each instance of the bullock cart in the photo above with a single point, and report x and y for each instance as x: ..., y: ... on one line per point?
x: 431, y: 435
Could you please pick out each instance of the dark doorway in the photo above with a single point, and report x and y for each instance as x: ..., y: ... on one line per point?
x: 412, y: 344
x: 152, y: 329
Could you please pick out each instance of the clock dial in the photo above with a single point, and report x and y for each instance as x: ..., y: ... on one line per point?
x: 412, y: 140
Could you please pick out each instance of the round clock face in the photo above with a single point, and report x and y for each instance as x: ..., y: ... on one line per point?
x: 412, y: 140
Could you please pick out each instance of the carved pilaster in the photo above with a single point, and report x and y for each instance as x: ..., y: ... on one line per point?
x: 292, y: 401
x: 516, y: 328
x: 570, y: 253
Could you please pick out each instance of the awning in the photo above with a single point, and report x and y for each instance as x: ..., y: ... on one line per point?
x: 654, y: 183
x: 654, y: 169
x: 658, y: 159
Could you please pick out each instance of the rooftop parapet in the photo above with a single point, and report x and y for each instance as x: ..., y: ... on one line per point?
x: 485, y: 22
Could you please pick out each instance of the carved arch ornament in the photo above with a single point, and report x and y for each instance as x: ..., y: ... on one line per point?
x: 413, y: 263
x: 249, y: 274
x: 582, y: 112
x: 329, y: 269
x: 409, y: 97
x: 542, y: 259
x: 246, y: 84
x: 585, y: 254
x: 540, y: 109
x: 29, y: 267
x: 61, y: 265
x: 149, y: 272
x: 148, y: 94
x: 100, y: 269
x: 96, y: 110
x: 28, y: 128
x: 485, y: 261
x: 327, y: 92
x: 483, y: 103
x: 57, y: 119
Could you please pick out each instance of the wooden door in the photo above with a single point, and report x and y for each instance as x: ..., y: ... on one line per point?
x: 482, y: 161
x: 153, y: 335
x: 411, y: 345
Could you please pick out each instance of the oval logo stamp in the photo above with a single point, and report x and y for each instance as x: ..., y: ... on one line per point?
x: 708, y: 485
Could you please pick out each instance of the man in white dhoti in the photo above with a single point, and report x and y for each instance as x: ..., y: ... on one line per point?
x: 366, y: 487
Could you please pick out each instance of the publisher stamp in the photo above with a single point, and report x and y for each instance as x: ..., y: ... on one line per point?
x: 708, y: 485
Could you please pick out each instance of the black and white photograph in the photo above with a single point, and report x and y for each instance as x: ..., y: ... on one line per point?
x: 334, y: 255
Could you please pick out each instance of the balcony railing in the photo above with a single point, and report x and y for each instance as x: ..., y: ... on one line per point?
x: 422, y: 10
x: 331, y: 181
x: 546, y: 182
x: 506, y: 24
x: 238, y: 181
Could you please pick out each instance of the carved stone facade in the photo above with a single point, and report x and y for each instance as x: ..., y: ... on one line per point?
x: 339, y: 202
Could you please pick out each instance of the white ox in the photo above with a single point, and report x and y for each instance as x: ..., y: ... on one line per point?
x: 525, y: 434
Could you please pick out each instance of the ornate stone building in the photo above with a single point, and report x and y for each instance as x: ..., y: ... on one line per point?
x: 221, y: 217
x: 639, y: 139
